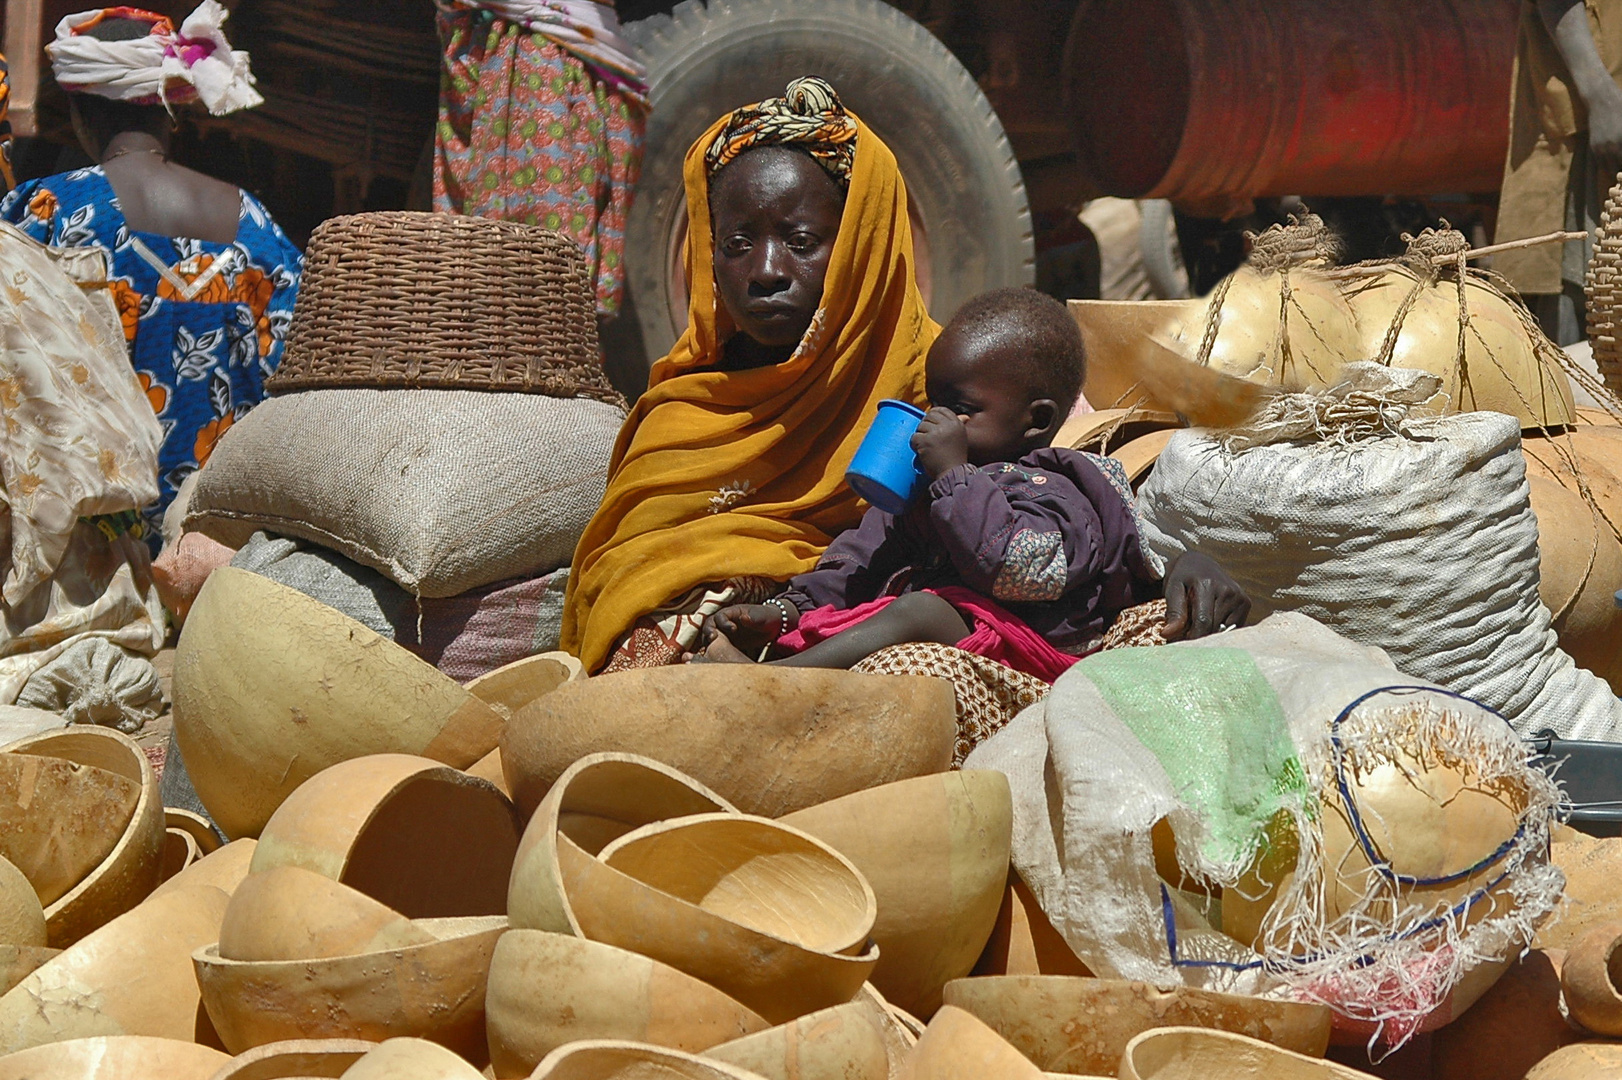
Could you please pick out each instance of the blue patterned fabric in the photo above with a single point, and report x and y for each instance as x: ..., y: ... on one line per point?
x: 1034, y: 568
x: 204, y: 322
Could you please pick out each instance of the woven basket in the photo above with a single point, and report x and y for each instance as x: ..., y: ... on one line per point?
x: 1603, y: 288
x: 439, y: 301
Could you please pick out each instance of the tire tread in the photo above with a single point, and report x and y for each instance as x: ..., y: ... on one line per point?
x: 672, y: 45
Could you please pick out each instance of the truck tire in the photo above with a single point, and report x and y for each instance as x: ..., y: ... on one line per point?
x: 970, y: 215
x: 1155, y: 238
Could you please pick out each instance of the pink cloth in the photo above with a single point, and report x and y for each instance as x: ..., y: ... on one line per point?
x: 998, y: 634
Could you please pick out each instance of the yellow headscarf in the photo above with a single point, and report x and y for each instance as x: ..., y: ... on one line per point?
x: 782, y: 436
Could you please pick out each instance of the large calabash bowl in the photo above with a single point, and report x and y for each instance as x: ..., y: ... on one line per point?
x: 130, y: 977
x: 98, y: 851
x: 272, y: 686
x: 764, y: 912
x: 846, y: 1042
x: 1187, y: 1053
x: 1082, y: 1025
x: 935, y: 850
x: 604, y: 1059
x: 114, y: 1057
x: 548, y: 989
x: 770, y: 740
x: 957, y: 1046
x: 296, y: 1059
x: 433, y: 991
x: 423, y: 838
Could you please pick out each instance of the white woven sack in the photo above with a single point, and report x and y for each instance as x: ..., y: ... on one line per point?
x: 1421, y: 543
x: 441, y: 491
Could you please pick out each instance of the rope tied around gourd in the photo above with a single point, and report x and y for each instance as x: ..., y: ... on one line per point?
x: 1305, y: 242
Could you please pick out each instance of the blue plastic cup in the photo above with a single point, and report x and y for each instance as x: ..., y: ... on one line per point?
x: 885, y: 470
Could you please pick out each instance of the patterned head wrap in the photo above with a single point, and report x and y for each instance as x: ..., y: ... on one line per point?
x: 165, y: 67
x: 808, y: 115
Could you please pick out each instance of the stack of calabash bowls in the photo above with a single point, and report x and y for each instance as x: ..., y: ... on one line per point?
x: 710, y: 872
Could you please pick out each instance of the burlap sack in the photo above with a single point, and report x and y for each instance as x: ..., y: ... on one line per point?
x: 464, y: 636
x: 441, y: 491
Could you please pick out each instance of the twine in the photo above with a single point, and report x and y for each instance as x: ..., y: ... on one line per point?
x: 1602, y: 286
x: 1305, y: 242
x: 1371, y: 402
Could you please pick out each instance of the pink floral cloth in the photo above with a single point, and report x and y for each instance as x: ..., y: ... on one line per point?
x: 997, y: 634
x: 530, y: 132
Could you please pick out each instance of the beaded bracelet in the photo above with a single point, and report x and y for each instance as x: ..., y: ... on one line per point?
x: 782, y: 627
x: 782, y: 616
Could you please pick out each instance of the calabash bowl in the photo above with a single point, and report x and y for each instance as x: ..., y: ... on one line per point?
x: 130, y: 977
x: 935, y: 850
x: 114, y: 1057
x: 272, y: 686
x: 548, y: 989
x: 120, y: 840
x: 433, y: 991
x: 423, y: 838
x: 1082, y: 1025
x: 770, y: 740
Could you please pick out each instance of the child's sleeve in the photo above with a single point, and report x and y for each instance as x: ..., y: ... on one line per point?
x: 854, y: 569
x: 1022, y: 537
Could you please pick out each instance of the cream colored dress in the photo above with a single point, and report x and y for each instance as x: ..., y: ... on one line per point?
x: 78, y: 442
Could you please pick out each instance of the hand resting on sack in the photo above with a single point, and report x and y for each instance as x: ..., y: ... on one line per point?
x: 1201, y: 598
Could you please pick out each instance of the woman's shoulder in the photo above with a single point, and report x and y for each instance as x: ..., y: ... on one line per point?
x: 264, y: 239
x: 76, y: 198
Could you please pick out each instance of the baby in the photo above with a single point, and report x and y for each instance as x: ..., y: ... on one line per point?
x: 1017, y: 550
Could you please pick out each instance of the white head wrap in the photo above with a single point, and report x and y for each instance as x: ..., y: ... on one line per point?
x: 195, y: 64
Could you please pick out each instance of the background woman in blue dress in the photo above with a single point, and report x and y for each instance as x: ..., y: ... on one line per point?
x: 203, y: 277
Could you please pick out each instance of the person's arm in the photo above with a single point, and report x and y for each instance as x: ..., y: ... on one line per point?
x: 1567, y: 23
x: 1010, y: 547
x: 851, y: 571
x: 1014, y: 547
x: 854, y: 568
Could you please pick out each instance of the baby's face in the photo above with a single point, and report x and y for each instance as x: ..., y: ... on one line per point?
x: 977, y: 377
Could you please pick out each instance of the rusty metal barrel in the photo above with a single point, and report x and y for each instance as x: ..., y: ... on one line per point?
x: 1204, y: 99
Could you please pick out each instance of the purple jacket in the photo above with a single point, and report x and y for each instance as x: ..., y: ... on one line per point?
x: 1051, y: 538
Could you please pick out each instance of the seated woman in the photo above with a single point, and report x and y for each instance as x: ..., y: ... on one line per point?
x: 1016, y: 550
x: 728, y: 477
x: 203, y: 278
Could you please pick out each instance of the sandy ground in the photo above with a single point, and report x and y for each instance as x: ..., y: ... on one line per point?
x: 155, y: 736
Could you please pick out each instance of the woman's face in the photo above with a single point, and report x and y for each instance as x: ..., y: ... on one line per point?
x: 775, y: 215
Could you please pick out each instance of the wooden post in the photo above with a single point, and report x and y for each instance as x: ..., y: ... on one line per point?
x: 25, y: 51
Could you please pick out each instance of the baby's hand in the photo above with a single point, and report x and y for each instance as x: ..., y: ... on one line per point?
x: 719, y: 651
x: 1201, y: 598
x: 941, y: 443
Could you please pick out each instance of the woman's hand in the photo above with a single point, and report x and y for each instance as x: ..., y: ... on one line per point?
x: 1201, y: 598
x: 941, y: 443
x: 749, y: 627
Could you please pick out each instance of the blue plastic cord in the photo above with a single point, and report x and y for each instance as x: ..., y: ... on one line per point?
x: 1367, y: 846
x: 1363, y: 839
